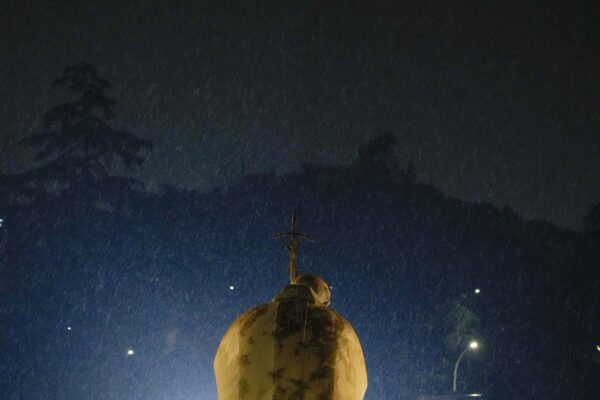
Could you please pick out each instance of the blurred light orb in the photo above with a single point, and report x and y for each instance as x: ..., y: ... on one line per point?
x: 130, y: 352
x: 477, y: 291
x: 231, y: 287
x: 473, y: 345
x: 69, y: 328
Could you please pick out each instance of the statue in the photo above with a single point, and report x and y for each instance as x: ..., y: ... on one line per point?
x: 294, y: 347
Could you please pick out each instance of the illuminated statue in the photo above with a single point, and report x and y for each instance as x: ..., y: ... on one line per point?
x: 294, y: 347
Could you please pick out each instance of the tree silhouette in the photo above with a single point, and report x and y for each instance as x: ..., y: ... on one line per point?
x: 591, y: 221
x: 462, y: 324
x: 77, y: 145
x: 411, y: 173
x: 376, y: 156
x: 376, y: 160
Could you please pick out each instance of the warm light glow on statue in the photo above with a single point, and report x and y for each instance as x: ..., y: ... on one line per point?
x: 294, y: 347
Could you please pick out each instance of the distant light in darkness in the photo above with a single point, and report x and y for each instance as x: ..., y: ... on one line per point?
x: 473, y: 345
x: 69, y: 328
x: 231, y: 287
x: 477, y: 291
x: 130, y: 352
x: 474, y: 395
x: 598, y: 347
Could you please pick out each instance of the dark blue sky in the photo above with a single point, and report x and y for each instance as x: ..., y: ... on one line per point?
x: 493, y: 101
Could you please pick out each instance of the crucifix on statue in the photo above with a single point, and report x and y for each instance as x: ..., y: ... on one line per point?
x: 292, y: 241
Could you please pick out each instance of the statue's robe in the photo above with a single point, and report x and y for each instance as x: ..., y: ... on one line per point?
x: 292, y: 348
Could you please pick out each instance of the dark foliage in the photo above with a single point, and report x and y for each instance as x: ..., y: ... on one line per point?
x: 591, y: 222
x: 78, y: 147
x: 402, y: 257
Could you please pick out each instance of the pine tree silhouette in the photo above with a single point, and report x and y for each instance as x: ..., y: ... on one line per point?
x: 78, y: 146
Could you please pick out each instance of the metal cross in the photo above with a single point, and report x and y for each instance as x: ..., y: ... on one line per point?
x: 292, y: 240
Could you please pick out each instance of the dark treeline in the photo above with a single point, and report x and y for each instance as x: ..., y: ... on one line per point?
x: 83, y: 247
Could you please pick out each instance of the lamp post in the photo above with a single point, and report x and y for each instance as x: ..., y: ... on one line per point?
x: 472, y: 346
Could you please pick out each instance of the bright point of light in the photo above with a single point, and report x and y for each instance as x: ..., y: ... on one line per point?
x: 130, y: 352
x: 473, y: 345
x: 474, y: 395
x: 477, y: 291
x: 231, y: 287
x: 598, y: 347
x: 69, y: 328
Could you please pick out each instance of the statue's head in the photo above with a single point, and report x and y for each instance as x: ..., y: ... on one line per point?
x: 318, y: 287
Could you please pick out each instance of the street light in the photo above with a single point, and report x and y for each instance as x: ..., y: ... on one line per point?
x: 472, y: 346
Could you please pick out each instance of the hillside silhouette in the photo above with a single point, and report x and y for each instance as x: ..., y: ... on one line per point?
x: 383, y: 240
x: 83, y: 246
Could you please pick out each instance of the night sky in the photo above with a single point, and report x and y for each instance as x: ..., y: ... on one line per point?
x: 493, y: 101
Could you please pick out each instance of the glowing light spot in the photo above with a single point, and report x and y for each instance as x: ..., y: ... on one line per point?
x: 69, y: 328
x: 477, y: 291
x: 130, y: 352
x: 474, y: 395
x: 231, y: 287
x: 598, y: 347
x: 473, y: 345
